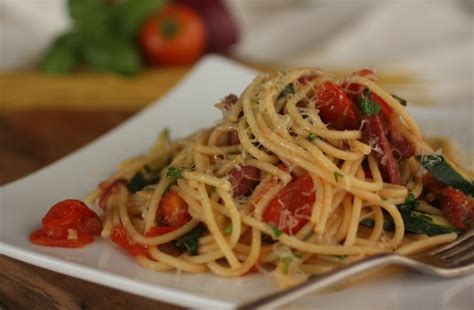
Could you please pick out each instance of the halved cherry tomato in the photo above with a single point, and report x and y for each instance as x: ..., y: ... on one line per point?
x: 175, y: 35
x: 120, y: 236
x: 173, y: 210
x: 290, y: 209
x: 69, y: 223
x: 244, y: 180
x: 335, y: 108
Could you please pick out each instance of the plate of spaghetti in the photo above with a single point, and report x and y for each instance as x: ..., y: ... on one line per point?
x: 237, y: 184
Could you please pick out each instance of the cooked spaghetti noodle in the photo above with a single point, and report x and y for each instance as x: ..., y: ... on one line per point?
x: 273, y: 184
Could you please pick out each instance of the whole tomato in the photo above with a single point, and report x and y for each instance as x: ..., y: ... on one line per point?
x: 175, y: 35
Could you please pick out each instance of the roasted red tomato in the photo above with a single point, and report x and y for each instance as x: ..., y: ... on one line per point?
x: 69, y: 223
x: 159, y: 230
x: 41, y: 238
x: 244, y: 180
x: 335, y: 108
x: 109, y: 189
x: 291, y: 208
x: 456, y: 207
x: 175, y: 35
x: 120, y: 236
x: 173, y: 210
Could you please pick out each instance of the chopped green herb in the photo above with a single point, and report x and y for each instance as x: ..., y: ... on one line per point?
x: 410, y: 198
x: 311, y: 137
x: 174, y: 172
x: 337, y: 175
x: 339, y: 257
x: 286, y: 264
x: 276, y: 232
x: 383, y: 198
x: 368, y: 106
x: 410, y: 203
x: 190, y: 241
x: 402, y: 101
x: 228, y: 229
x: 288, y: 90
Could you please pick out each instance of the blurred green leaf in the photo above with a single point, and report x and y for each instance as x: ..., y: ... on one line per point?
x: 130, y: 15
x: 93, y: 19
x: 63, y: 55
x: 113, y: 54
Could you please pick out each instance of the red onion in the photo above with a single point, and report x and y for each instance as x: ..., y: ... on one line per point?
x: 221, y: 30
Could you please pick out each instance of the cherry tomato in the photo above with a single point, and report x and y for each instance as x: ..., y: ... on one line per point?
x: 290, y: 209
x: 173, y: 210
x: 244, y: 179
x: 335, y: 108
x: 120, y: 236
x: 175, y: 35
x: 69, y: 223
x: 71, y: 214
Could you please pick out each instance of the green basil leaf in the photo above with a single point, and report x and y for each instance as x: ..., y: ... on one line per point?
x: 113, y: 55
x: 93, y: 19
x: 190, y: 241
x: 142, y: 179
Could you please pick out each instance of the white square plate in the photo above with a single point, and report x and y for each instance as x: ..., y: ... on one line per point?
x: 188, y: 107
